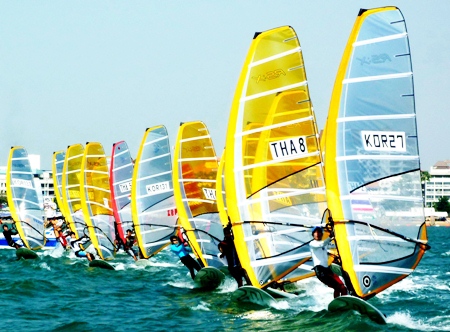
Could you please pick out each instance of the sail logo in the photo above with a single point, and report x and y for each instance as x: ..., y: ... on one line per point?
x: 393, y: 141
x: 172, y: 212
x: 125, y: 187
x: 282, y: 200
x: 22, y: 183
x: 210, y: 193
x: 374, y: 59
x: 295, y: 146
x: 158, y: 188
x: 195, y: 148
x: 270, y: 75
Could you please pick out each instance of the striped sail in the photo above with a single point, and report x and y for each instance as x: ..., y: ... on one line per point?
x: 57, y: 174
x: 273, y: 171
x: 152, y: 203
x: 194, y: 176
x: 96, y: 200
x: 121, y: 174
x: 71, y: 189
x: 372, y: 156
x: 23, y: 199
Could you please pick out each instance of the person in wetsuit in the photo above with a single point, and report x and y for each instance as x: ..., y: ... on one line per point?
x: 182, y: 252
x: 8, y: 233
x: 75, y: 244
x: 128, y: 245
x: 228, y: 250
x: 319, y: 252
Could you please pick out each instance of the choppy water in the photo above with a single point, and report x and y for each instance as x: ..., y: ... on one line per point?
x: 63, y: 294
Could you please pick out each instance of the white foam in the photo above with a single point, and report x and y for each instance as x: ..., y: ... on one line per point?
x: 181, y: 284
x: 45, y: 266
x: 119, y: 267
x: 405, y: 319
x: 259, y: 315
x: 202, y: 306
x: 280, y: 305
x: 229, y: 285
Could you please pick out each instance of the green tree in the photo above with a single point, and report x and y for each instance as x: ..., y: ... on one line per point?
x: 443, y: 205
x: 424, y: 176
x: 3, y: 200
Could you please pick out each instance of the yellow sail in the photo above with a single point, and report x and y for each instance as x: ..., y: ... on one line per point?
x: 194, y: 175
x: 274, y: 183
x: 96, y: 200
x: 71, y: 196
x: 372, y: 159
x: 220, y: 191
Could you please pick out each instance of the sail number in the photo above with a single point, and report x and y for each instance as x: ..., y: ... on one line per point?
x: 125, y: 187
x: 295, y: 146
x: 384, y: 141
x: 158, y: 188
x: 22, y: 183
x: 210, y: 193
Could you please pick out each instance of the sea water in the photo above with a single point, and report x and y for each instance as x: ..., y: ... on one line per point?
x: 59, y: 292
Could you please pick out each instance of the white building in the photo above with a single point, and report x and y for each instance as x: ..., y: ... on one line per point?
x: 439, y: 183
x: 44, y: 178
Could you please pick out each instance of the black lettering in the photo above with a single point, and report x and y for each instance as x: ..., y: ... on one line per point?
x: 384, y: 140
x: 301, y: 141
x: 392, y: 141
x: 293, y: 149
x: 274, y: 145
x: 283, y: 148
x: 376, y: 141
x: 401, y: 139
x: 367, y: 138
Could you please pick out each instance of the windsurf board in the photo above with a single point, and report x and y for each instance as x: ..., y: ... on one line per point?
x: 209, y: 277
x: 348, y: 302
x: 253, y: 295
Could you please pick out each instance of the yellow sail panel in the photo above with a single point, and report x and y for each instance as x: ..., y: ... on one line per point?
x: 373, y: 189
x: 194, y: 172
x: 272, y: 149
x: 96, y: 200
x: 71, y: 189
x: 23, y: 200
x: 220, y: 191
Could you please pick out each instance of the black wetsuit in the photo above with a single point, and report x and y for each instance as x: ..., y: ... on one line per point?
x: 8, y: 237
x: 234, y: 265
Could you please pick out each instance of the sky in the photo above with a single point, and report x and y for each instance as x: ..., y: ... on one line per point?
x: 83, y: 71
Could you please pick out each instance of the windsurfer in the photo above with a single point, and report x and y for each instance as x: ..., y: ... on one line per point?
x: 8, y: 233
x: 228, y: 250
x: 75, y: 244
x: 319, y: 255
x: 128, y: 245
x: 182, y: 252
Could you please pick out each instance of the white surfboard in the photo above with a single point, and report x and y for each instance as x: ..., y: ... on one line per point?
x: 348, y: 302
x: 253, y: 295
x: 209, y: 277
